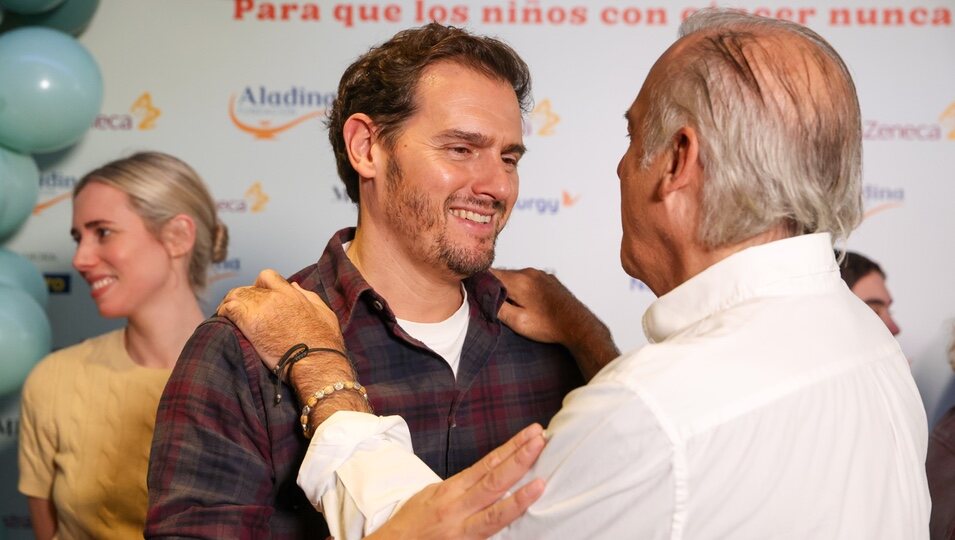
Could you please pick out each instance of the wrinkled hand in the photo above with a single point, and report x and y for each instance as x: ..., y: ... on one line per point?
x: 274, y: 315
x: 468, y: 505
x: 535, y: 303
x: 539, y: 307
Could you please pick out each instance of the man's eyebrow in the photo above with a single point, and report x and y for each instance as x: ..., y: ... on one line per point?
x: 877, y: 303
x: 518, y: 149
x: 478, y: 139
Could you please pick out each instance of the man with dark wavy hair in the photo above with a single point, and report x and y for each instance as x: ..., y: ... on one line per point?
x: 427, y: 134
x: 769, y: 402
x: 866, y: 279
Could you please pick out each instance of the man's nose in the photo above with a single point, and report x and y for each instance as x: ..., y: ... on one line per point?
x: 494, y: 179
x: 890, y: 323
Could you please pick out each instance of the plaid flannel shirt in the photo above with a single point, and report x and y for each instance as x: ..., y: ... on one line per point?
x: 225, y: 457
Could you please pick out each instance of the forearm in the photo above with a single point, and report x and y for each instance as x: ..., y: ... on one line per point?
x: 592, y: 346
x: 42, y: 517
x: 316, y: 373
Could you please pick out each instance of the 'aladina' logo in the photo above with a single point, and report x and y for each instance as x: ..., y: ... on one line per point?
x: 269, y: 104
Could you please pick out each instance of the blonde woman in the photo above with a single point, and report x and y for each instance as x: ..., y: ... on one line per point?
x: 146, y: 231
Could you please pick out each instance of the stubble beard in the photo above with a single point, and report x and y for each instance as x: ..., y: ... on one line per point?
x: 411, y: 212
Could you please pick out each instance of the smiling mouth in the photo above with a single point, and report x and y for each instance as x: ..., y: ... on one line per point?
x: 471, y: 216
x: 102, y: 282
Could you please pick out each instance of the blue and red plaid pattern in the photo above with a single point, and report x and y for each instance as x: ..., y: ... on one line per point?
x: 224, y: 457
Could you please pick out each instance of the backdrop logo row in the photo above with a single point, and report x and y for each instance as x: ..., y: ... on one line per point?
x: 264, y: 112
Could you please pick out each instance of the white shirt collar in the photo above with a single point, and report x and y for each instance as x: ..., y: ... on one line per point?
x: 752, y: 272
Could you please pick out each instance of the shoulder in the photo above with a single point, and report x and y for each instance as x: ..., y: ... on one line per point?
x: 215, y: 344
x: 309, y: 278
x: 216, y: 359
x: 66, y: 364
x: 72, y: 358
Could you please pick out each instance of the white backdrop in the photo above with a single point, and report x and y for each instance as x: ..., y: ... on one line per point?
x: 236, y: 88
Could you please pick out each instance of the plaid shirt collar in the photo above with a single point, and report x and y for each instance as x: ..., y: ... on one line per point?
x: 345, y: 287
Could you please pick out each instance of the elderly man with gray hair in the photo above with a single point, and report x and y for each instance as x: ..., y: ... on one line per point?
x: 769, y: 402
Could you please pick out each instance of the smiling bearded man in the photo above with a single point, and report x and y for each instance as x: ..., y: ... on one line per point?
x: 427, y: 134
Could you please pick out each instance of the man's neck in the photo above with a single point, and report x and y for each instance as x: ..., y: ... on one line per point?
x: 415, y: 291
x: 690, y: 260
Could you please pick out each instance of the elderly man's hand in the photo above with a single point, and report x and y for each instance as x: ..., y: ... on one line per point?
x: 469, y: 505
x: 539, y: 307
x: 274, y: 315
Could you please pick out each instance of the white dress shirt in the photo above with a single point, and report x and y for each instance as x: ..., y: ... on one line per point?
x: 770, y: 403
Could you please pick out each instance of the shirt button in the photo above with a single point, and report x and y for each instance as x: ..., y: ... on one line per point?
x: 377, y: 305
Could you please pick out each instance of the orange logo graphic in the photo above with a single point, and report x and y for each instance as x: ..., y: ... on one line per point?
x: 568, y: 199
x: 258, y: 197
x: 40, y: 207
x: 265, y: 129
x: 947, y: 119
x: 145, y: 111
x: 544, y: 115
x: 880, y: 208
x: 881, y: 198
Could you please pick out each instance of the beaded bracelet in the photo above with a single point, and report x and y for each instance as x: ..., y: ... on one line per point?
x: 313, y: 400
x: 294, y: 354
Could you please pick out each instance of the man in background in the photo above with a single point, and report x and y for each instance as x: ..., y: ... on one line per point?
x: 866, y: 279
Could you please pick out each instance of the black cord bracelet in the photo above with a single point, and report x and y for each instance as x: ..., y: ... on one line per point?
x: 294, y: 354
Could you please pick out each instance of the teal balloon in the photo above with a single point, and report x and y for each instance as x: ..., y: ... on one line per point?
x: 19, y: 189
x: 29, y: 6
x: 72, y: 17
x: 18, y: 272
x: 25, y: 337
x: 51, y: 90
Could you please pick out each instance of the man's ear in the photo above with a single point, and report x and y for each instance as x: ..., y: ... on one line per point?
x: 178, y: 235
x: 683, y: 168
x: 360, y: 136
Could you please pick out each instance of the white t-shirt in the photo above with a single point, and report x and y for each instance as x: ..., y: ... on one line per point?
x: 770, y: 403
x: 446, y: 337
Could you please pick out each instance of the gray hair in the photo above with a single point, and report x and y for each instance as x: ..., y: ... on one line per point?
x: 778, y: 122
x: 160, y: 187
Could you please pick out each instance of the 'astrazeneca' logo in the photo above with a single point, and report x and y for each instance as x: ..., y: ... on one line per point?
x: 874, y: 130
x: 947, y: 119
x: 253, y: 201
x: 142, y: 115
x: 546, y: 205
x: 878, y: 199
x: 264, y: 113
x: 226, y: 269
x: 55, y: 187
x: 542, y: 121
